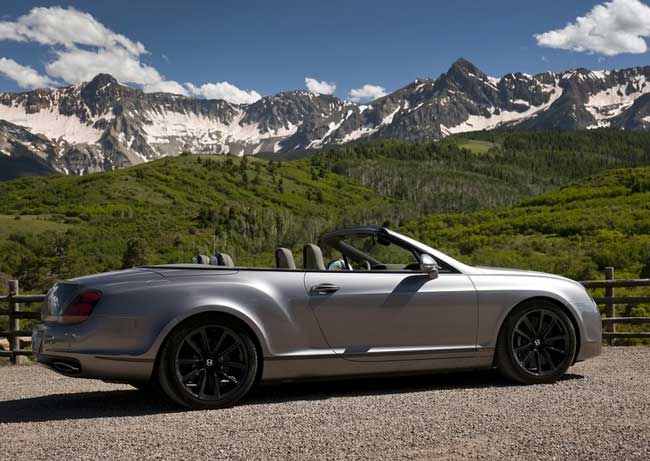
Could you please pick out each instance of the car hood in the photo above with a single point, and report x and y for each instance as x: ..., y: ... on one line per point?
x: 485, y: 270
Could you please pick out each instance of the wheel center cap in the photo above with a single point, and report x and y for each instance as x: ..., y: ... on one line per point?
x: 537, y: 343
x: 209, y: 362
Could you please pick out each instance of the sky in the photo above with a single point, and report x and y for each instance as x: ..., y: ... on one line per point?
x: 354, y: 49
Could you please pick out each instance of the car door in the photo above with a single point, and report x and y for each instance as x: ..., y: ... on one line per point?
x: 376, y: 316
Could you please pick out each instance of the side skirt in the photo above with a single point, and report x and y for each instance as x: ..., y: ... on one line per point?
x: 328, y: 365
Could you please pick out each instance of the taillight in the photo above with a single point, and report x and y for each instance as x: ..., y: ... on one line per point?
x: 81, y: 308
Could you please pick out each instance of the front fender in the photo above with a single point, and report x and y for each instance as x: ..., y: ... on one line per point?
x: 499, y: 295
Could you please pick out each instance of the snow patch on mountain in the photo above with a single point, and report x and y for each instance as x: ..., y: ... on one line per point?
x: 613, y: 101
x: 163, y: 125
x: 503, y: 117
x: 50, y: 123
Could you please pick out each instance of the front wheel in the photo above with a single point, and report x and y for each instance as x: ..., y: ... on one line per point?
x: 208, y: 363
x: 537, y: 343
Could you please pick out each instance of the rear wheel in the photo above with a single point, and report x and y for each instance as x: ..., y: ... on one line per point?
x: 208, y: 363
x: 536, y: 344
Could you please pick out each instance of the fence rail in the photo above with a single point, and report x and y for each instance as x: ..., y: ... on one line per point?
x: 14, y: 300
x: 610, y: 300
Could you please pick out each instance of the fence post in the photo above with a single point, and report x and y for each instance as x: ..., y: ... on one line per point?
x: 609, y: 305
x: 14, y: 323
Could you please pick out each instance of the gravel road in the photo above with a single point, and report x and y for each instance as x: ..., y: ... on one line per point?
x: 601, y: 410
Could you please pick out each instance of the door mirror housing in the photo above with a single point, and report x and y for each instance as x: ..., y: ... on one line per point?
x: 337, y: 265
x: 429, y: 265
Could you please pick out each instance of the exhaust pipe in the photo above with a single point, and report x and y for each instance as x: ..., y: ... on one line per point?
x: 66, y: 368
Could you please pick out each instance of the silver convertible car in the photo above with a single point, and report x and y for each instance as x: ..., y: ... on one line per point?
x: 205, y: 333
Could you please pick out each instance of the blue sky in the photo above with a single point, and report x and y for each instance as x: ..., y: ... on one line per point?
x: 272, y: 46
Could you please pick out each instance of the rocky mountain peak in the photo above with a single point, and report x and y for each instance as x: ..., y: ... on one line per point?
x: 101, y: 125
x: 101, y: 82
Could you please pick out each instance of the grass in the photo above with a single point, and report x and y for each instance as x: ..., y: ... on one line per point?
x: 10, y: 224
x: 477, y: 146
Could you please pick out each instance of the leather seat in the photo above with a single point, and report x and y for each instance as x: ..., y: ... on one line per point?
x: 284, y: 259
x: 222, y: 259
x: 201, y: 259
x: 312, y: 257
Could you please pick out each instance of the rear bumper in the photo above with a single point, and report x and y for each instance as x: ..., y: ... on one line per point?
x: 64, y: 349
x: 117, y: 369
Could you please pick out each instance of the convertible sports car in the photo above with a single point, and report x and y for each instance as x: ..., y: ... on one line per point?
x: 206, y: 332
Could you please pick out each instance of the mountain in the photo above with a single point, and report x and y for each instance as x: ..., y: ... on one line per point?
x: 102, y: 125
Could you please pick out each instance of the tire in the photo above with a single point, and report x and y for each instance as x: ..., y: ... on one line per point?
x: 147, y: 387
x: 207, y: 363
x: 536, y: 344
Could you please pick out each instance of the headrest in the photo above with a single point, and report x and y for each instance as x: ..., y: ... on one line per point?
x: 201, y: 259
x: 313, y: 257
x: 284, y: 259
x: 221, y: 259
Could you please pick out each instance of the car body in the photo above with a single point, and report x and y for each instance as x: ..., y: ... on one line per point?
x: 313, y: 322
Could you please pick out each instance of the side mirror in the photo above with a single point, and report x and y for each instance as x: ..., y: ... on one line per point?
x: 429, y: 265
x: 336, y: 265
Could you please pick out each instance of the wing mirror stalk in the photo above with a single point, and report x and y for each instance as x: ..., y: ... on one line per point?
x: 429, y: 266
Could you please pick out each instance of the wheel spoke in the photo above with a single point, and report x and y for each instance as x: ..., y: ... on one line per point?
x: 555, y: 349
x: 217, y: 346
x: 204, y: 380
x: 557, y: 338
x: 232, y: 379
x: 192, y: 374
x: 548, y: 328
x: 541, y: 322
x: 188, y: 361
x: 234, y: 364
x: 217, y: 388
x: 205, y: 342
x: 229, y: 349
x: 530, y: 326
x: 538, y: 359
x: 521, y: 333
x: 527, y: 358
x: 192, y: 344
x: 548, y: 359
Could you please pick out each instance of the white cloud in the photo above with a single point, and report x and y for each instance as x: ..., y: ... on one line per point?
x: 79, y: 65
x: 319, y: 87
x: 367, y: 93
x: 67, y: 27
x: 82, y: 47
x: 24, y: 76
x: 225, y: 91
x: 165, y: 86
x: 615, y: 27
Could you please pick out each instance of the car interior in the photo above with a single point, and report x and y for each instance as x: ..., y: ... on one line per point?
x: 356, y: 252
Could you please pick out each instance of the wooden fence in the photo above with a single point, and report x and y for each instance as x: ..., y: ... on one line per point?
x: 610, y: 300
x: 13, y: 300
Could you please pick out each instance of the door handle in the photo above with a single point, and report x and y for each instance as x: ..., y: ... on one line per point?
x: 323, y: 289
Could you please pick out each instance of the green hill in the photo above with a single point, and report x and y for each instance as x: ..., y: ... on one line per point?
x: 172, y: 209
x: 481, y: 170
x: 575, y: 231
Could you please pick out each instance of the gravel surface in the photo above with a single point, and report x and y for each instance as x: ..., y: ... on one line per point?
x: 601, y: 410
